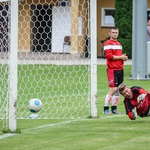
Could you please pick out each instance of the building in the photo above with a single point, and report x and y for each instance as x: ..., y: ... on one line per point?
x: 40, y: 31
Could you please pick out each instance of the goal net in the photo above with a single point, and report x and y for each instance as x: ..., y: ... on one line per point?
x: 53, y: 59
x: 4, y: 63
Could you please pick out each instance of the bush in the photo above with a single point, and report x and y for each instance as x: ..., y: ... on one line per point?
x: 127, y: 46
x: 123, y: 20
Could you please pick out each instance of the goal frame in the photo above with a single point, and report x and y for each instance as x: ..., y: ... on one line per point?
x: 13, y: 63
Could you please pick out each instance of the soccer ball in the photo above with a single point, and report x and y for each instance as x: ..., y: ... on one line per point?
x: 35, y: 105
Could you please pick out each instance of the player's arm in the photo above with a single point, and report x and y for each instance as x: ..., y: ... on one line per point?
x: 131, y: 115
x: 140, y: 91
x: 123, y: 57
x: 109, y: 55
x: 141, y: 97
x: 129, y: 110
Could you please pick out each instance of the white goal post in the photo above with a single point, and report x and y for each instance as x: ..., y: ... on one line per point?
x: 13, y: 65
x: 38, y: 63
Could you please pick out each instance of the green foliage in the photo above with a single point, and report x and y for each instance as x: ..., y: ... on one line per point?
x: 127, y: 46
x: 123, y: 20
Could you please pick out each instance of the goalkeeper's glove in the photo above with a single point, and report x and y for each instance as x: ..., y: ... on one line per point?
x: 141, y: 97
x: 132, y: 115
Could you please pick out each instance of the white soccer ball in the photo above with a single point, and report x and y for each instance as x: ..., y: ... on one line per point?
x: 35, y: 105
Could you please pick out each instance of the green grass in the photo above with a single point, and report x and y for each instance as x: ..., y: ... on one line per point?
x: 60, y: 88
x: 108, y: 132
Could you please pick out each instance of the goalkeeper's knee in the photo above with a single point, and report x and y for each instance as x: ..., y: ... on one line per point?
x: 117, y: 93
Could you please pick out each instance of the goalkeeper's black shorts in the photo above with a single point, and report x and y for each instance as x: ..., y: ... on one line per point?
x: 146, y: 114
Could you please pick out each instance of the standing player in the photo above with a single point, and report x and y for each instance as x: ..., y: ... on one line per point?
x: 148, y: 30
x: 135, y: 97
x: 115, y: 74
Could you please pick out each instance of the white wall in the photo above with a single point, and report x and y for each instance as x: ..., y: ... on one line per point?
x: 61, y: 27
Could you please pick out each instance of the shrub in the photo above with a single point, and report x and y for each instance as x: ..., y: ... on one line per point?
x: 127, y: 46
x: 123, y: 20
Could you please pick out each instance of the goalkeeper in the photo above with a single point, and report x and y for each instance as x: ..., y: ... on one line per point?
x: 136, y: 101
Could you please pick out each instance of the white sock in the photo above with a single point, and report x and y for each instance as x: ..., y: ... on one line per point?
x: 108, y: 98
x: 115, y: 100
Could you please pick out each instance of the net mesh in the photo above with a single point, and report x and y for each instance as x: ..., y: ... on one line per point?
x: 53, y: 63
x: 4, y: 62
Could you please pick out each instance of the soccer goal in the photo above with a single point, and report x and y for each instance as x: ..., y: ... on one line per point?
x: 48, y: 51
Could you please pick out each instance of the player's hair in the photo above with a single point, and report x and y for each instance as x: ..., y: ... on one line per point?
x: 121, y: 87
x: 115, y: 28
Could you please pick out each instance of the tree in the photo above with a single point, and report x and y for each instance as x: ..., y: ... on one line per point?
x: 123, y: 20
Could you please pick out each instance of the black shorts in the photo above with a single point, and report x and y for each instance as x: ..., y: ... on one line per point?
x: 146, y: 114
x: 115, y: 77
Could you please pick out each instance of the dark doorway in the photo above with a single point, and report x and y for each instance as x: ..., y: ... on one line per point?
x: 41, y: 28
x: 4, y: 39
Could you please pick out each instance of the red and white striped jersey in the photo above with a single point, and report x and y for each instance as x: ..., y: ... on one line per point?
x: 113, y: 48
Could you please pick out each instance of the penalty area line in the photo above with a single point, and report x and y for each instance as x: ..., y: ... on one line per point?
x: 47, y: 125
x: 6, y: 135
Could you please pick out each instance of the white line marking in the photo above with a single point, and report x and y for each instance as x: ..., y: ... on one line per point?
x: 7, y: 135
x: 54, y: 124
x: 112, y: 116
x: 47, y: 125
x: 39, y: 127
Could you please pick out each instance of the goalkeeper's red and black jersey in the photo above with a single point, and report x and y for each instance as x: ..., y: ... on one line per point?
x: 111, y: 48
x: 141, y: 106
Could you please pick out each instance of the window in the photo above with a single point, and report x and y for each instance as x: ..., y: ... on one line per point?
x: 148, y: 14
x: 107, y: 18
x: 64, y: 2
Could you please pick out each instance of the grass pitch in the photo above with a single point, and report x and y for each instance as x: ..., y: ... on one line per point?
x: 115, y: 132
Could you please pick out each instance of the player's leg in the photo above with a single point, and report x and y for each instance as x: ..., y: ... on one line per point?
x: 115, y: 100
x: 118, y: 75
x: 109, y: 95
x: 108, y: 99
